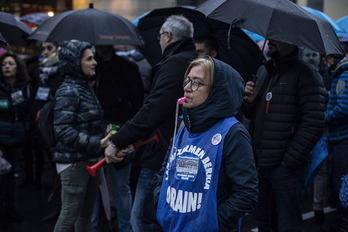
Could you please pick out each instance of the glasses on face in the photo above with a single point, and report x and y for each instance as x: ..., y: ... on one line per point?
x: 194, y: 84
x: 160, y: 34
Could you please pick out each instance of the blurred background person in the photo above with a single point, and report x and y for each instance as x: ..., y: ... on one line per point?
x: 15, y: 103
x: 336, y: 119
x: 45, y: 86
x: 120, y: 91
x: 207, y: 45
x: 320, y: 181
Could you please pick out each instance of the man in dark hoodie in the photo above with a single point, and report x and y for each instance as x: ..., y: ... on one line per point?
x: 286, y: 109
x: 156, y: 115
x: 209, y: 179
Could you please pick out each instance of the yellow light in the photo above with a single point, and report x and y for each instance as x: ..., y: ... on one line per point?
x: 50, y: 13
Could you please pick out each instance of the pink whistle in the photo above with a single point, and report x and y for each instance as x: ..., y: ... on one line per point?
x: 182, y: 100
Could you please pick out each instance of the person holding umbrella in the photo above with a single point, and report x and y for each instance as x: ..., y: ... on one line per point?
x: 156, y: 115
x: 286, y: 108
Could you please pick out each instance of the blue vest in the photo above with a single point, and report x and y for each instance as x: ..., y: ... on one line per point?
x: 187, y: 199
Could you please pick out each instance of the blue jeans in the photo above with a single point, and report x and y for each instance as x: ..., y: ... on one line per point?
x: 280, y: 199
x: 339, y: 168
x: 143, y: 218
x: 120, y: 180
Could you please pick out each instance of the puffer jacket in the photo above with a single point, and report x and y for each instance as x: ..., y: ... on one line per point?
x: 77, y: 112
x: 287, y: 127
x: 237, y: 191
x: 336, y: 115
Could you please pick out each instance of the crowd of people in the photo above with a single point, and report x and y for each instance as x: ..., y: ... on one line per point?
x: 224, y: 148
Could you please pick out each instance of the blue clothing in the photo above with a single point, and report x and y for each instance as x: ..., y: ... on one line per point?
x: 336, y: 118
x: 236, y: 192
x: 336, y: 115
x: 188, y: 194
x: 143, y: 216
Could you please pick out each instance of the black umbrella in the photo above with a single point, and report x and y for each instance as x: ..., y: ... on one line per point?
x: 91, y: 25
x: 36, y: 18
x: 281, y: 20
x: 14, y: 31
x: 235, y: 46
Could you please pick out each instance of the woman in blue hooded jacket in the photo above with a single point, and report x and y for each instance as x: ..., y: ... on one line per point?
x: 209, y: 179
x: 79, y: 131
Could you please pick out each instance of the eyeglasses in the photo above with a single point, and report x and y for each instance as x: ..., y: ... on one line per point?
x: 160, y: 34
x: 194, y: 84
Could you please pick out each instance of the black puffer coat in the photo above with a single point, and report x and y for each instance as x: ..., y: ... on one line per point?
x: 288, y: 127
x: 78, y: 114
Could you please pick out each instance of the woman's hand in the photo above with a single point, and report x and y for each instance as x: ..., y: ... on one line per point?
x: 104, y: 142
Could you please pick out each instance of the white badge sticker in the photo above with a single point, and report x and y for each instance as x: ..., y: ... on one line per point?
x: 216, y: 139
x: 268, y: 96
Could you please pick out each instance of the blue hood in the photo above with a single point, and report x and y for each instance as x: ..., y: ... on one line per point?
x: 69, y: 58
x: 224, y: 100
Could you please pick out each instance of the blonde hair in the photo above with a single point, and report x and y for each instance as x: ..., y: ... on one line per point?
x: 208, y: 65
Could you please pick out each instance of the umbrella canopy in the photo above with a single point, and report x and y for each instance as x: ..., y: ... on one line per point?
x: 2, y: 40
x: 340, y: 32
x: 14, y: 31
x: 91, y: 25
x: 281, y: 20
x: 235, y: 47
x: 343, y: 23
x: 36, y: 18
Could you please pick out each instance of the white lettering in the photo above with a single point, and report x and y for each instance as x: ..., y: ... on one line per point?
x: 183, y: 201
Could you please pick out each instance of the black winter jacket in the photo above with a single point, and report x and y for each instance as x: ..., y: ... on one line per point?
x: 287, y: 127
x: 158, y: 112
x: 77, y: 113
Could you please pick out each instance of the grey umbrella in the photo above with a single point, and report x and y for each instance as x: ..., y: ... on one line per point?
x: 36, y: 18
x: 14, y: 31
x: 91, y: 25
x: 281, y: 20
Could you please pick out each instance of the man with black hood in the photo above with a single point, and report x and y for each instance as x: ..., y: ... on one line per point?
x: 156, y: 115
x: 286, y: 109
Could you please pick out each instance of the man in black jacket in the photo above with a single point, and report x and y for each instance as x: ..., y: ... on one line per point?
x: 156, y: 115
x: 286, y: 107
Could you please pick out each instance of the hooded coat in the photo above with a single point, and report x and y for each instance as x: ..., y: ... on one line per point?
x: 237, y: 182
x: 77, y: 113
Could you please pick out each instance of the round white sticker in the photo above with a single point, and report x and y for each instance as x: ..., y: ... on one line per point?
x: 268, y: 96
x: 216, y: 139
